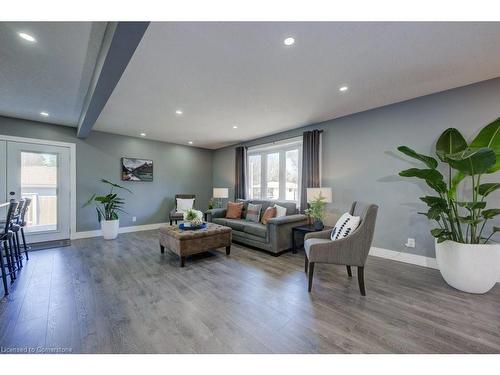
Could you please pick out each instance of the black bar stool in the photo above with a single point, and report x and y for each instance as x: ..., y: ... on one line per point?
x: 7, y: 250
x: 22, y: 223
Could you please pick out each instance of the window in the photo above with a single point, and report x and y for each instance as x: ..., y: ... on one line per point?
x: 274, y: 171
x: 254, y: 174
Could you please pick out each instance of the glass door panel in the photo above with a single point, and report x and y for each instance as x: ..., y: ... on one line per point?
x: 42, y: 174
x: 39, y: 183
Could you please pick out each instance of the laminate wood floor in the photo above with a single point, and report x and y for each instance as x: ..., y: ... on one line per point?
x: 123, y: 296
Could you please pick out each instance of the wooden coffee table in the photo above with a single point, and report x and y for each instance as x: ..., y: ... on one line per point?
x: 189, y: 242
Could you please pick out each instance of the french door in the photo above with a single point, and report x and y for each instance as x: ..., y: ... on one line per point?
x: 41, y: 173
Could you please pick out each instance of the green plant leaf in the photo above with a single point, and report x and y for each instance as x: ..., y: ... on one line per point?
x: 490, y: 213
x: 431, y: 176
x: 428, y: 160
x: 472, y: 161
x: 489, y: 137
x: 451, y: 141
x: 469, y: 220
x: 441, y: 239
x: 455, y: 181
x: 485, y: 189
x: 115, y: 185
x: 435, y: 202
x: 89, y: 202
x: 472, y: 205
x: 434, y: 213
x: 438, y: 232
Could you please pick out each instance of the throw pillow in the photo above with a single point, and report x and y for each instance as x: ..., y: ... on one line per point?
x: 234, y: 210
x: 269, y: 213
x: 345, y: 226
x: 280, y: 211
x: 184, y: 204
x: 253, y: 212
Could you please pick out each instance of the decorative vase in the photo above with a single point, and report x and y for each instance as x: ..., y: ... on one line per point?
x: 318, y: 225
x: 109, y: 229
x: 471, y: 268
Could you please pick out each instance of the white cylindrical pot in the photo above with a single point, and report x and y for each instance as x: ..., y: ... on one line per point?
x: 471, y: 268
x: 109, y: 229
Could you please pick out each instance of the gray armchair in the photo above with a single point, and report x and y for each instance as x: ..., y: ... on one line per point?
x: 349, y: 251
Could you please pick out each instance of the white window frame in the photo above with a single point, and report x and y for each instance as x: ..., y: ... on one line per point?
x: 280, y: 147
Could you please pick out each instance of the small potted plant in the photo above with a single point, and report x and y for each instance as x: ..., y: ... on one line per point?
x: 316, y: 211
x: 107, y: 207
x: 193, y: 218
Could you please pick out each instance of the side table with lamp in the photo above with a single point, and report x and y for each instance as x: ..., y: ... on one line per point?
x: 217, y: 196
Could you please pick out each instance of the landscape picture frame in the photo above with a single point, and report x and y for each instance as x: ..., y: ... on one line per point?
x: 136, y: 169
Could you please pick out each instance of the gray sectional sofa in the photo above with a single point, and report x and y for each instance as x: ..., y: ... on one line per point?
x: 275, y: 236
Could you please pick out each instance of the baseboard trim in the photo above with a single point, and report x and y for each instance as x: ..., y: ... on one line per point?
x: 418, y: 260
x: 98, y: 233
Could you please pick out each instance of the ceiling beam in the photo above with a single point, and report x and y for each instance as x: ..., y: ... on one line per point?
x: 119, y: 44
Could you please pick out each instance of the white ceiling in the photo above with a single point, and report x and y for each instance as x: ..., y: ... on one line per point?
x: 225, y: 74
x: 51, y: 75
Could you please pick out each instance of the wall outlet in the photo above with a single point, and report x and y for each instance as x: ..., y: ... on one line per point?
x: 410, y: 242
x: 134, y: 219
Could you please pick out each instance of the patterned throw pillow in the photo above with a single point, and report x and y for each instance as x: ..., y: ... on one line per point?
x: 345, y: 226
x: 253, y: 212
x: 269, y: 213
x: 234, y: 210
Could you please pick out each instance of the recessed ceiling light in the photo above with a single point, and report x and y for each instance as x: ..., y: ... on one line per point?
x: 143, y: 134
x: 343, y: 88
x: 27, y: 37
x: 289, y: 41
x: 190, y: 142
x: 179, y: 112
x: 235, y: 127
x: 44, y: 114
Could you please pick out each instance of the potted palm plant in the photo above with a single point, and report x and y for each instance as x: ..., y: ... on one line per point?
x: 108, y: 206
x: 316, y: 211
x: 467, y: 257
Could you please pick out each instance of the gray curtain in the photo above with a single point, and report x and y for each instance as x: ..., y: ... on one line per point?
x: 240, y: 185
x: 311, y: 148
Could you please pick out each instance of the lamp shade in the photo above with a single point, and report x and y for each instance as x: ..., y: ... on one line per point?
x: 221, y: 193
x: 315, y: 193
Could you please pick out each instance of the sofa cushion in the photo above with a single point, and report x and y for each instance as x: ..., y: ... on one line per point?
x: 253, y: 212
x: 280, y: 210
x: 257, y: 229
x: 268, y: 214
x: 291, y: 207
x: 235, y: 224
x: 234, y: 210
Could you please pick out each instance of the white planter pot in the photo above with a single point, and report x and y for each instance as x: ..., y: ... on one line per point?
x: 109, y: 229
x: 468, y: 267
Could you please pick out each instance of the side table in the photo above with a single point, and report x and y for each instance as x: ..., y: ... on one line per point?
x: 304, y: 229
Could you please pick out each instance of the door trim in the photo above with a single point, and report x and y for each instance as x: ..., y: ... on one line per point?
x: 72, y: 171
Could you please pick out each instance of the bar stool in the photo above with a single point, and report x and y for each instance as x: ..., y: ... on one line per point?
x: 7, y: 250
x: 15, y: 227
x: 22, y: 223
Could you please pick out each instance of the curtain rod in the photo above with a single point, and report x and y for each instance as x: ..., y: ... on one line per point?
x: 282, y: 139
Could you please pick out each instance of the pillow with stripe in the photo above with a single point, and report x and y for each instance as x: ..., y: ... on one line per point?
x: 253, y: 212
x: 345, y: 226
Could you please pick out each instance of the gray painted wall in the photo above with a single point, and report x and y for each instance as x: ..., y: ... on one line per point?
x: 360, y: 162
x: 177, y: 169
